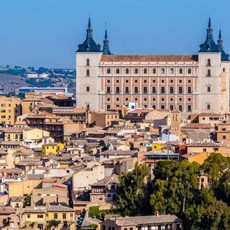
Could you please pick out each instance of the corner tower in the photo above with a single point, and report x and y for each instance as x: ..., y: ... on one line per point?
x: 88, y: 58
x: 210, y: 84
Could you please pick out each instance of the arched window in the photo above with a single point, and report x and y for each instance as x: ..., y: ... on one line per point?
x: 154, y: 71
x: 145, y: 71
x: 171, y: 71
x: 117, y: 71
x: 162, y: 71
x: 108, y: 71
x: 127, y: 71
x: 189, y: 71
x: 180, y: 71
x: 136, y: 71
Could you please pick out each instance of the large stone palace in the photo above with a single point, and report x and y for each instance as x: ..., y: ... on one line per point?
x: 190, y: 83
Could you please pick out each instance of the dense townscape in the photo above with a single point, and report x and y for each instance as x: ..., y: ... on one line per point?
x: 142, y: 144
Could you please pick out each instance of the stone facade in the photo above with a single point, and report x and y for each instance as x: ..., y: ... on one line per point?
x: 189, y: 83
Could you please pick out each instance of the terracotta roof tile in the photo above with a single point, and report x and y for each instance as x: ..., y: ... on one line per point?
x: 149, y: 58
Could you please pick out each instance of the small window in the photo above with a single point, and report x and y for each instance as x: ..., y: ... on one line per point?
x: 87, y: 62
x: 171, y: 99
x: 136, y: 71
x: 189, y: 108
x: 154, y: 71
x: 162, y: 71
x: 55, y: 215
x: 108, y: 99
x: 223, y: 69
x: 136, y: 81
x: 126, y: 99
x: 162, y: 107
x: 153, y: 89
x: 135, y: 89
x: 117, y: 99
x: 64, y: 216
x: 127, y: 71
x: 209, y: 62
x: 87, y: 72
x: 136, y: 99
x: 117, y: 89
x: 145, y: 99
x: 180, y: 89
x: 126, y: 89
x: 154, y: 81
x: 117, y: 81
x: 162, y: 99
x: 117, y: 71
x: 180, y: 107
x: 87, y: 88
x: 162, y: 89
x: 208, y: 73
x: 154, y: 99
x: 108, y: 81
x: 162, y: 81
x: 171, y: 107
x: 180, y: 81
x: 189, y: 81
x: 145, y: 81
x: 224, y: 137
x: 208, y: 89
x: 189, y: 71
x: 145, y: 71
x: 180, y: 71
x: 145, y: 89
x: 208, y: 106
x: 189, y: 89
x: 126, y: 81
x: 180, y: 98
x: 108, y: 71
x: 171, y: 89
x: 171, y: 71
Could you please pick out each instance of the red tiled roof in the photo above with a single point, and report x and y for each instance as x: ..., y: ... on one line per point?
x: 149, y: 58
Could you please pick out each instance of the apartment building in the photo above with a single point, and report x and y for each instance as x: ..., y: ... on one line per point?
x: 10, y: 108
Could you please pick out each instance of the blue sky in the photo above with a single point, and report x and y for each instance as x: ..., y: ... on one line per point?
x: 47, y: 32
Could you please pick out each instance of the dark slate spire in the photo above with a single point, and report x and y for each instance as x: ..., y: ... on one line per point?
x: 106, y: 50
x: 89, y: 31
x: 209, y: 30
x: 209, y: 45
x: 89, y: 45
x: 224, y: 56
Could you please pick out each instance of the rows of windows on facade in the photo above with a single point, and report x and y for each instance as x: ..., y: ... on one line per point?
x: 190, y: 83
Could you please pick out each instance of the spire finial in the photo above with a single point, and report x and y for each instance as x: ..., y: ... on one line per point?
x: 89, y: 30
x: 106, y: 43
x: 209, y: 30
x: 220, y: 40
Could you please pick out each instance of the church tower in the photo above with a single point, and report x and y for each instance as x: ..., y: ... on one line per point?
x: 88, y: 57
x: 211, y: 86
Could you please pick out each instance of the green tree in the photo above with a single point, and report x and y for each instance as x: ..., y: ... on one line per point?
x: 132, y: 194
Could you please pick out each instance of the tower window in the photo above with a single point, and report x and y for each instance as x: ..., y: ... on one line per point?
x: 189, y: 71
x: 87, y: 72
x: 209, y: 73
x: 223, y: 69
x: 145, y: 71
x: 209, y: 62
x: 162, y: 71
x: 117, y: 71
x: 136, y: 71
x: 208, y: 106
x: 154, y: 71
x: 171, y: 71
x: 87, y: 62
x: 127, y: 71
x: 87, y: 88
x: 108, y: 71
x: 180, y: 71
x: 208, y: 89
